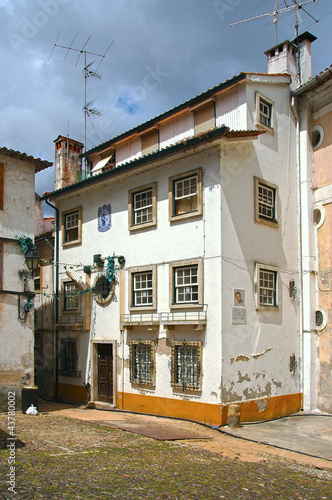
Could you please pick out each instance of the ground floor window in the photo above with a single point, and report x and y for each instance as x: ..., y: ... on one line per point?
x: 141, y: 362
x: 186, y: 365
x: 69, y: 358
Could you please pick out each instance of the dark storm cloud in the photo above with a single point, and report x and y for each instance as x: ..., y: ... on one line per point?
x: 164, y: 52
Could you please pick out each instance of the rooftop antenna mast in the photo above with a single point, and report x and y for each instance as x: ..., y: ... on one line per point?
x: 275, y: 13
x: 87, y: 71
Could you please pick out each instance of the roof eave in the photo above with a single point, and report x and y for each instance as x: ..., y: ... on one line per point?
x: 193, y: 142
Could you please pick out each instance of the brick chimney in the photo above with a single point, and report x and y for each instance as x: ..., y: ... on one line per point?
x: 68, y: 164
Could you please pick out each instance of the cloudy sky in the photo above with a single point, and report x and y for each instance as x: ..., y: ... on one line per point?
x: 162, y: 53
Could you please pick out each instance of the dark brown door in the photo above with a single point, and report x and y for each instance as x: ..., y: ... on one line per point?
x: 105, y: 372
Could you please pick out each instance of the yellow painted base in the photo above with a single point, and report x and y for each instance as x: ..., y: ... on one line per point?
x: 251, y: 411
x: 72, y: 393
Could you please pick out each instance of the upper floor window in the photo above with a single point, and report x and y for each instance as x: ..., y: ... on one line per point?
x: 186, y: 284
x: 186, y: 280
x: 71, y: 301
x: 267, y: 286
x: 142, y: 207
x: 265, y: 202
x: 264, y: 112
x: 72, y: 226
x: 185, y: 195
x: 143, y: 287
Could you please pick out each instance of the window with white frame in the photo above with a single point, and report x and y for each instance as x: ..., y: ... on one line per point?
x: 71, y: 298
x: 186, y: 284
x: 266, y: 195
x: 186, y: 365
x: 142, y: 289
x: 264, y: 111
x: 142, y: 362
x: 72, y: 226
x: 185, y: 195
x: 69, y: 357
x: 142, y: 207
x: 267, y: 286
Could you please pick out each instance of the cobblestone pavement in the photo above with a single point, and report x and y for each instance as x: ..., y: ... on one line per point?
x: 67, y: 456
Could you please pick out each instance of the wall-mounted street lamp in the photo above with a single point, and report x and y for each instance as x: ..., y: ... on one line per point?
x: 32, y: 261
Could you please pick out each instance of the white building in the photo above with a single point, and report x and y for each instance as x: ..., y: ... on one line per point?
x: 17, y: 204
x: 202, y: 202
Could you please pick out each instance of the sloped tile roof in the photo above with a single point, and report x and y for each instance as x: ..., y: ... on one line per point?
x: 39, y: 164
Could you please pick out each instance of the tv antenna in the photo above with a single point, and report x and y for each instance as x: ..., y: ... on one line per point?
x: 296, y: 4
x: 88, y: 72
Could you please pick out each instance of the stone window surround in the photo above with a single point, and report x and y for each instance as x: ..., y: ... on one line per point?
x: 131, y: 193
x: 144, y: 307
x: 185, y: 263
x: 173, y: 217
x: 63, y: 227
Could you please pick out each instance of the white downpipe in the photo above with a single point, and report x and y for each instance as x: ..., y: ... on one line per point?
x: 299, y: 238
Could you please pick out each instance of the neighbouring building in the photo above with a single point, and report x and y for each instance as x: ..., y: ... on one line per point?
x: 17, y: 204
x: 44, y: 303
x: 315, y: 158
x: 179, y: 276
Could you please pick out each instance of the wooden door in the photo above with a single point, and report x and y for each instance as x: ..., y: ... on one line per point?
x: 105, y: 372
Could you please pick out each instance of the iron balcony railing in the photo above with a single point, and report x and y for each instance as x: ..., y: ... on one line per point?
x: 173, y: 317
x: 140, y: 318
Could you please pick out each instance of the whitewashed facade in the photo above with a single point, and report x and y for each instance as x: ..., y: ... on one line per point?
x: 203, y: 204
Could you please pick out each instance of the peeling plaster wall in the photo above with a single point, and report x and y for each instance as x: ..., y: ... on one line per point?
x: 256, y: 354
x: 16, y: 338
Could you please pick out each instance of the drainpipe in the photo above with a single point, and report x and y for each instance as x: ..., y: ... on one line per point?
x: 56, y: 332
x: 299, y: 236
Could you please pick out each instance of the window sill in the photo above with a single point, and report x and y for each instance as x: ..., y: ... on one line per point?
x: 187, y: 215
x: 145, y: 225
x: 267, y: 128
x: 267, y: 308
x: 71, y: 243
x: 267, y: 222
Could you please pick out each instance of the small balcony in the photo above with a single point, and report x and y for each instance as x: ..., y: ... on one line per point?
x: 151, y: 320
x: 196, y: 319
x: 69, y: 323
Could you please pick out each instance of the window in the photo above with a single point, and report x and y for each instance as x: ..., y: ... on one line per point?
x: 71, y: 296
x: 187, y: 283
x: 143, y: 287
x: 267, y: 282
x: 185, y: 195
x: 142, y: 207
x: 36, y: 280
x: 72, y: 226
x: 141, y: 362
x: 69, y: 358
x: 186, y: 365
x: 265, y: 202
x: 264, y: 112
